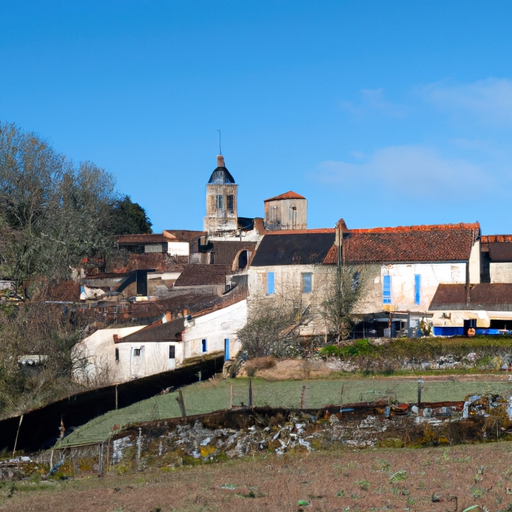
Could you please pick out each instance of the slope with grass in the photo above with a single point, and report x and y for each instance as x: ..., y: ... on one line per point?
x: 214, y: 395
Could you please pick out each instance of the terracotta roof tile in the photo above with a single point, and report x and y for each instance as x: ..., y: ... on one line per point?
x: 184, y: 235
x: 445, y: 242
x: 286, y: 195
x: 495, y: 238
x: 201, y: 275
x: 146, y: 238
x: 159, y: 261
x: 300, y: 231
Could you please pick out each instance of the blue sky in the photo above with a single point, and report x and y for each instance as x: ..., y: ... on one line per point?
x: 383, y: 113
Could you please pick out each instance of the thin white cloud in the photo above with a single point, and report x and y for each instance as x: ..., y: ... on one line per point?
x: 489, y: 100
x: 415, y: 170
x: 372, y: 100
x: 358, y: 154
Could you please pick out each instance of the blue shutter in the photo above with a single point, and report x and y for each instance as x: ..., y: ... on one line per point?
x: 204, y: 346
x: 270, y: 283
x: 417, y: 289
x: 386, y: 290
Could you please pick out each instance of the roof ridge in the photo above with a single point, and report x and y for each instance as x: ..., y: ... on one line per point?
x: 300, y: 231
x: 495, y: 238
x: 419, y: 227
x: 287, y: 195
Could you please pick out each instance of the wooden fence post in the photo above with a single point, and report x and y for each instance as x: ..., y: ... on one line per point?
x: 17, y: 433
x: 181, y: 403
x: 302, y: 396
x: 250, y: 392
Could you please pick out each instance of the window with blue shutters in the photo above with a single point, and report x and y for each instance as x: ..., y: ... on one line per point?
x: 270, y: 283
x: 386, y: 290
x: 417, y: 289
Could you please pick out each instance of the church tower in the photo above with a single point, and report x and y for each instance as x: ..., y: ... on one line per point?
x: 221, y: 202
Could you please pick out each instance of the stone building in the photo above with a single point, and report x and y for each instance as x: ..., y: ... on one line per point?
x: 286, y: 211
x: 221, y: 202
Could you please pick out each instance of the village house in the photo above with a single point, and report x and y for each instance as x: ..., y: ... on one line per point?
x: 484, y: 307
x: 115, y: 355
x: 406, y: 265
x: 286, y: 211
x: 288, y: 266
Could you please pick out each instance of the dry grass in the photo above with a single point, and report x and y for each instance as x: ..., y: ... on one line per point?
x: 434, y: 479
x: 259, y: 363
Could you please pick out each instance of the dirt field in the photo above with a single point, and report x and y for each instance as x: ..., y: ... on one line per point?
x: 433, y: 479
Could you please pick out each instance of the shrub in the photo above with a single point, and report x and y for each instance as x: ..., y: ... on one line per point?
x: 259, y: 363
x: 358, y: 348
x: 330, y: 351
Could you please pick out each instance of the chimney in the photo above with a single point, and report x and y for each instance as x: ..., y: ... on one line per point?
x: 341, y: 228
x: 116, y: 338
x: 259, y: 226
x: 220, y: 161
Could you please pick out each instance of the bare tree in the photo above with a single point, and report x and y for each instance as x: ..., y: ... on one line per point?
x: 46, y: 335
x: 273, y: 327
x: 52, y: 212
x: 342, y: 294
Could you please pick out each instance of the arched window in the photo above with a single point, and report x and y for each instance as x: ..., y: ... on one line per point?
x: 242, y: 260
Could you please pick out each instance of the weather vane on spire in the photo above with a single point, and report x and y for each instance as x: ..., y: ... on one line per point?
x: 220, y: 148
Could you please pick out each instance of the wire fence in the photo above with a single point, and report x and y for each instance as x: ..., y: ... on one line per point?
x: 208, y: 396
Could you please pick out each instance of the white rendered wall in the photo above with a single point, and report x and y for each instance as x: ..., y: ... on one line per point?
x: 215, y: 327
x: 95, y: 357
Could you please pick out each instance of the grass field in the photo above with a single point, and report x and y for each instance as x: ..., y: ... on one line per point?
x: 204, y: 397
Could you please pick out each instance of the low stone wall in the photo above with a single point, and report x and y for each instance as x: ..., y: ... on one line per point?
x: 246, y: 431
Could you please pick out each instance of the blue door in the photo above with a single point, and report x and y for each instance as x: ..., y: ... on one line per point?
x: 226, y: 349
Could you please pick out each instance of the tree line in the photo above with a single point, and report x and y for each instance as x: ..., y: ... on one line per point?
x: 53, y: 212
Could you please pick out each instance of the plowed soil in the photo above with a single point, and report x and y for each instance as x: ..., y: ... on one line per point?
x: 429, y: 479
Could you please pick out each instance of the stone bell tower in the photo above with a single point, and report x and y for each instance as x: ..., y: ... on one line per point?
x: 221, y: 202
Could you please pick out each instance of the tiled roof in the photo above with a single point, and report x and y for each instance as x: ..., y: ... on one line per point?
x: 499, y: 247
x: 200, y: 275
x: 483, y: 296
x: 294, y: 248
x: 286, y: 195
x: 196, y: 305
x: 146, y: 238
x: 168, y: 331
x: 445, y: 242
x: 301, y: 231
x: 67, y: 291
x: 183, y: 235
x: 495, y: 238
